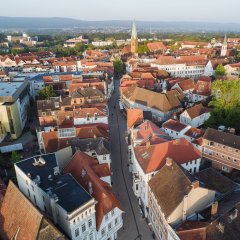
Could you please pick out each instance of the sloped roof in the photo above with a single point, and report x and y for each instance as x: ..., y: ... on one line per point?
x: 161, y: 101
x: 223, y: 138
x: 169, y: 187
x: 197, y: 110
x: 174, y: 125
x: 21, y: 219
x: 134, y: 117
x: 152, y: 158
x: 155, y: 46
x: 102, y: 192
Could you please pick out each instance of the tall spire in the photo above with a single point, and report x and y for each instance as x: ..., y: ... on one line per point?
x: 225, y: 39
x: 134, y: 30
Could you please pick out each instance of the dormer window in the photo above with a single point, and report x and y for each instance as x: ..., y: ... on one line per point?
x: 43, y: 113
x: 56, y: 104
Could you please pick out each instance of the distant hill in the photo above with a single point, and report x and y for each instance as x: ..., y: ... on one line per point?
x: 60, y: 23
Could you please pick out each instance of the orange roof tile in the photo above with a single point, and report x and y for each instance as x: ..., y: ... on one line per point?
x: 134, y: 116
x: 102, y: 192
x: 152, y: 158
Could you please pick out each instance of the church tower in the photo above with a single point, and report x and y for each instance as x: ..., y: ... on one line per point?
x: 224, y: 47
x: 134, y: 39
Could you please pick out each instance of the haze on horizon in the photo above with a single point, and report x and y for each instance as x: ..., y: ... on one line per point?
x: 152, y: 10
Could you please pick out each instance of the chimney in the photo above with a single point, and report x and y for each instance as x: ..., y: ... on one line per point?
x: 214, y: 209
x: 195, y: 184
x: 148, y: 144
x: 90, y: 189
x: 169, y: 161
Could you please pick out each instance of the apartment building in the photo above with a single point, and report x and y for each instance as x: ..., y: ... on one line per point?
x: 59, y: 195
x: 149, y: 159
x: 222, y: 149
x: 183, y: 66
x: 14, y: 105
x: 174, y: 195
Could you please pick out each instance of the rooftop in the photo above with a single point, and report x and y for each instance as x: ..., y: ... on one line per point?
x: 223, y: 138
x: 69, y: 194
x: 10, y: 91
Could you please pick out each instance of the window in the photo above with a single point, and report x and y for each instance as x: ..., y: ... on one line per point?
x: 28, y: 193
x: 236, y: 151
x: 222, y: 156
x: 106, y: 217
x: 103, y: 231
x: 235, y: 160
x: 229, y: 158
x: 77, y: 232
x: 90, y: 223
x: 223, y: 147
x: 104, y: 157
x: 211, y: 143
x: 109, y: 226
x: 43, y: 113
x: 34, y: 198
x: 136, y: 187
x: 83, y: 228
x: 116, y: 221
x: 91, y: 236
x: 112, y: 212
x: 27, y: 182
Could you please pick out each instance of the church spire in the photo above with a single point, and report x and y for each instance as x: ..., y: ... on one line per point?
x: 134, y: 39
x: 134, y: 30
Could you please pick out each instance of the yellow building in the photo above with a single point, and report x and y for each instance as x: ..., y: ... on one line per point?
x: 14, y: 103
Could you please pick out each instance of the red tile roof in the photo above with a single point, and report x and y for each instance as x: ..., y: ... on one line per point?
x: 134, y: 116
x: 102, y: 192
x: 152, y: 158
x: 156, y: 46
x: 174, y: 125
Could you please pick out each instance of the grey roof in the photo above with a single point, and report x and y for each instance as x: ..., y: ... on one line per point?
x: 169, y: 187
x: 223, y: 138
x: 69, y: 193
x: 226, y: 227
x: 214, y: 180
x: 10, y: 91
x: 100, y: 145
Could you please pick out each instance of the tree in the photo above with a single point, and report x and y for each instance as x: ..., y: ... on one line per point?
x: 46, y: 93
x: 15, y: 157
x: 220, y: 70
x: 142, y: 48
x: 119, y: 67
x: 225, y: 103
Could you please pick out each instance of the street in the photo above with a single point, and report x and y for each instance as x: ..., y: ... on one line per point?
x: 134, y: 225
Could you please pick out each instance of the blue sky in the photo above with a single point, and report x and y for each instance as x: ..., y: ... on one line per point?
x: 150, y: 10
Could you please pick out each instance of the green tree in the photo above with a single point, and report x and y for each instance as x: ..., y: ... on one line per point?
x: 143, y: 49
x: 46, y: 93
x: 225, y: 103
x: 220, y: 70
x: 119, y: 67
x: 15, y: 157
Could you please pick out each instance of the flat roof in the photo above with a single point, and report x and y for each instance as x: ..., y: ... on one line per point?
x: 69, y: 194
x: 10, y: 91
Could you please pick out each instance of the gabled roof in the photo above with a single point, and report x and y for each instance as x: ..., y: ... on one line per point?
x: 20, y: 219
x: 161, y: 101
x: 134, y: 117
x: 83, y: 169
x: 152, y: 158
x: 155, y: 46
x: 197, y: 111
x: 169, y: 187
x: 174, y: 125
x: 223, y: 138
x: 186, y: 84
x: 215, y: 180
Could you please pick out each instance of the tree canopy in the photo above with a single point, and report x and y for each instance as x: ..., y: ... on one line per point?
x: 119, y: 67
x: 220, y: 70
x: 46, y: 93
x: 225, y: 103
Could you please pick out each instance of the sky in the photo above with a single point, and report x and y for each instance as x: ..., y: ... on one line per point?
x: 147, y: 10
